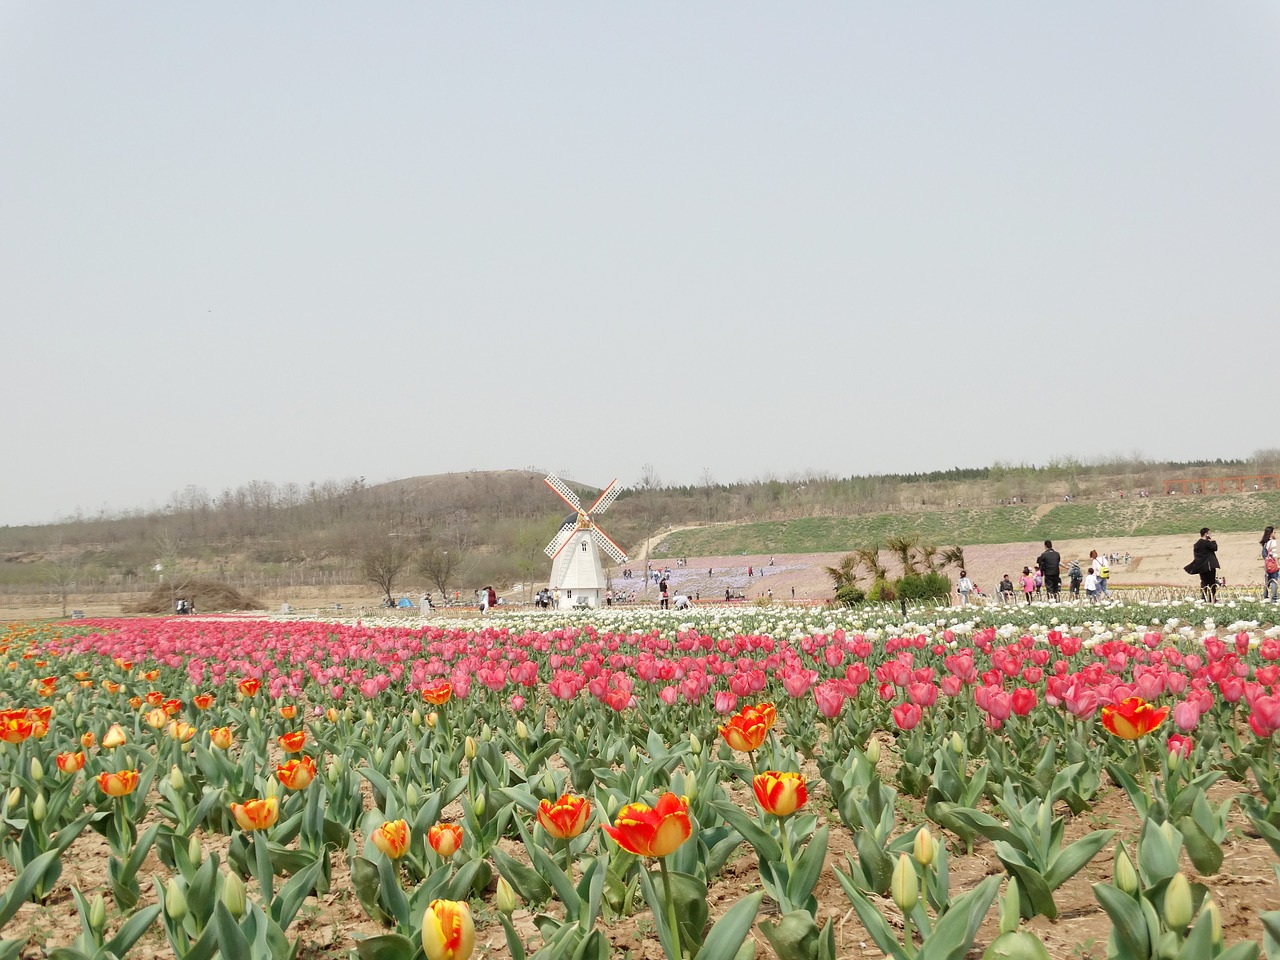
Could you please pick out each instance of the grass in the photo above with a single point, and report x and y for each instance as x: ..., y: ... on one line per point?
x: 1156, y: 516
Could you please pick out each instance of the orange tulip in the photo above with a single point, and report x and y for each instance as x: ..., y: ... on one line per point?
x: 445, y: 838
x: 180, y: 730
x: 155, y: 698
x: 156, y: 718
x: 296, y: 774
x: 135, y: 703
x: 118, y: 784
x: 293, y: 742
x: 220, y: 737
x: 780, y: 794
x: 110, y: 686
x: 448, y: 932
x: 392, y: 838
x: 202, y: 701
x: 249, y: 686
x: 565, y: 818
x: 172, y: 706
x: 81, y: 675
x: 46, y: 690
x: 114, y: 737
x: 652, y: 832
x: 289, y: 711
x: 256, y: 814
x: 151, y: 676
x: 332, y: 714
x: 88, y: 739
x: 15, y: 726
x: 125, y: 665
x: 748, y: 727
x: 1132, y: 718
x: 437, y: 692
x: 70, y: 762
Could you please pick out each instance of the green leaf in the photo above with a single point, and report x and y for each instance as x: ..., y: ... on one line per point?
x: 953, y: 934
x: 389, y: 946
x: 872, y: 920
x: 794, y: 937
x: 364, y: 878
x: 726, y: 938
x: 1204, y: 853
x: 291, y: 896
x: 526, y: 881
x: 876, y: 864
x: 657, y: 906
x: 808, y: 868
x: 132, y: 930
x: 1070, y: 860
x: 1128, y: 924
x: 231, y: 939
x: 1271, y: 932
x: 20, y: 890
x: 765, y: 846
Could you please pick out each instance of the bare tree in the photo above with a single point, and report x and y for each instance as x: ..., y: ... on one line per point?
x: 63, y: 573
x: 444, y: 565
x: 384, y: 563
x: 648, y: 487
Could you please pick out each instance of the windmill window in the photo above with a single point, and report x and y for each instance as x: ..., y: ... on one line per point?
x: 584, y: 546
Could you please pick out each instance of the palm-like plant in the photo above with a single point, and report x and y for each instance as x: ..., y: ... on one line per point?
x: 845, y: 572
x: 954, y: 557
x: 904, y: 549
x: 928, y: 556
x: 869, y: 558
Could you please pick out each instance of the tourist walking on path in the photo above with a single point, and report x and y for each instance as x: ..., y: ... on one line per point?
x: 1103, y: 571
x: 1270, y: 564
x: 1205, y: 563
x: 1051, y: 566
x: 1076, y: 577
x: 964, y: 588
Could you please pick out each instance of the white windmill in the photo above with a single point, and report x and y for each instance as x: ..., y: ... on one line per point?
x: 576, y: 570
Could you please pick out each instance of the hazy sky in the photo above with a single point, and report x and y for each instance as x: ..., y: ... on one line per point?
x: 310, y: 241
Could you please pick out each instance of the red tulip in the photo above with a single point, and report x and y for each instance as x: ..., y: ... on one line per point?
x: 780, y: 794
x: 1132, y: 718
x: 565, y: 818
x: 652, y: 832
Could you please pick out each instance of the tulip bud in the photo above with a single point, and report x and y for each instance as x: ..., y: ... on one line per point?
x: 416, y: 717
x: 368, y: 716
x: 613, y: 806
x: 485, y: 733
x: 905, y: 886
x: 176, y: 780
x: 506, y: 897
x: 233, y: 895
x: 1011, y: 908
x: 377, y: 756
x: 39, y: 808
x: 923, y: 848
x: 1215, y: 919
x: 398, y: 765
x: 1177, y: 902
x: 873, y: 752
x: 411, y: 795
x: 548, y: 783
x: 957, y: 743
x: 37, y: 770
x: 432, y: 719
x: 273, y: 789
x: 479, y: 805
x: 580, y: 733
x: 97, y: 913
x: 469, y: 749
x: 1124, y: 876
x: 175, y: 901
x: 695, y: 745
x: 194, y: 851
x: 253, y: 713
x: 521, y: 730
x: 332, y: 772
x: 15, y: 797
x: 347, y: 714
x: 1167, y: 829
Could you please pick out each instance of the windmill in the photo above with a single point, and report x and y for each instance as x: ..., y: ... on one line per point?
x: 576, y: 570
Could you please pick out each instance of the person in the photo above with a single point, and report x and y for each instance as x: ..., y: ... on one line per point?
x: 425, y: 607
x: 1204, y: 561
x: 1028, y: 584
x: 1102, y: 571
x: 1075, y: 577
x: 493, y: 597
x: 662, y: 589
x: 1051, y: 566
x: 1039, y: 582
x: 484, y: 600
x: 682, y: 602
x: 1270, y: 565
x: 1006, y: 590
x: 964, y: 588
x: 1091, y: 586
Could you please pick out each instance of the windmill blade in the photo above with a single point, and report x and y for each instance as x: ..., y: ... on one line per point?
x: 558, y: 541
x: 602, y: 502
x: 563, y: 492
x: 608, y: 546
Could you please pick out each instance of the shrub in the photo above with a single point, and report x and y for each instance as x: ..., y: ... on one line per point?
x: 849, y: 596
x: 924, y: 586
x: 882, y: 591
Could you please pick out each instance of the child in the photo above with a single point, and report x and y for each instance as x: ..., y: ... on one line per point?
x: 1091, y: 588
x: 1028, y: 584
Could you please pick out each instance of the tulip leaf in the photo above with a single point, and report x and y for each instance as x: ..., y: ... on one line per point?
x: 1128, y: 924
x: 1157, y: 857
x: 594, y: 946
x: 389, y: 946
x: 231, y: 939
x: 657, y: 906
x: 21, y: 888
x: 132, y: 930
x: 515, y: 946
x: 1241, y: 951
x: 1268, y: 832
x: 725, y: 939
x: 765, y: 846
x: 1071, y: 859
x: 1204, y: 853
x: 291, y: 896
x: 875, y: 863
x: 528, y: 883
x: 794, y: 937
x: 10, y: 949
x: 987, y: 825
x: 808, y: 868
x: 364, y: 878
x: 872, y: 919
x: 953, y: 934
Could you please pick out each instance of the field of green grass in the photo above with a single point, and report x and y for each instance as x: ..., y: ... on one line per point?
x: 1156, y: 516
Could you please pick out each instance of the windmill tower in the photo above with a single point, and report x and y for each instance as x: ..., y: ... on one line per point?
x: 576, y: 570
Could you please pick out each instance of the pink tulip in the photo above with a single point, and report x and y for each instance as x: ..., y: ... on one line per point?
x: 907, y: 716
x: 1264, y: 718
x: 830, y: 698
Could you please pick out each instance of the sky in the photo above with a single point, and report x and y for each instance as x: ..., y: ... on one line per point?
x: 316, y: 241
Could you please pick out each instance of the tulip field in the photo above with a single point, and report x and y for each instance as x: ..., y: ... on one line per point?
x: 1046, y: 781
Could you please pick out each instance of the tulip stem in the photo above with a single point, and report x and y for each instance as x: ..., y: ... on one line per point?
x: 1142, y: 776
x: 786, y: 847
x: 672, y: 920
x: 568, y: 859
x: 262, y: 864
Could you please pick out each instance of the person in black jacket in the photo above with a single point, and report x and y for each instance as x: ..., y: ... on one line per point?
x: 1051, y: 566
x: 1205, y: 562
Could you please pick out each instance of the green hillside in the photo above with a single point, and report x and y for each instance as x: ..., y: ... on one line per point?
x: 1000, y: 524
